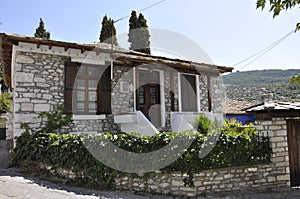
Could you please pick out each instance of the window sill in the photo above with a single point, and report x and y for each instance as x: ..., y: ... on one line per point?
x: 88, y: 117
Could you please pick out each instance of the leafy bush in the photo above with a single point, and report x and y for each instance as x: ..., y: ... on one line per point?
x: 5, y: 101
x: 56, y: 120
x: 202, y: 124
x: 236, y: 145
x: 68, y: 151
x: 52, y: 121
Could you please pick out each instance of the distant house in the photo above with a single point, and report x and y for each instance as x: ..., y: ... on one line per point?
x: 268, y: 109
x: 105, y: 89
x: 234, y: 109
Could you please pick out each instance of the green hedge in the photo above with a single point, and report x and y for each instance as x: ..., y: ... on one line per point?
x: 68, y: 151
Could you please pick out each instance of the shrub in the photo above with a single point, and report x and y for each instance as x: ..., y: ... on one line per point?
x: 55, y: 120
x: 202, y: 124
x: 5, y: 101
x: 68, y: 151
x: 235, y: 146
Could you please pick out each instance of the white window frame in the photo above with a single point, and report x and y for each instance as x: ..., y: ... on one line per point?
x: 197, y: 91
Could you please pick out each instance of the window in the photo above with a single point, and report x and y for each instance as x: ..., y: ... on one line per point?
x: 188, y: 93
x: 85, y: 91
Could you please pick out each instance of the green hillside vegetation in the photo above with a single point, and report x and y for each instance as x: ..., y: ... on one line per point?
x: 253, y: 85
x: 260, y: 77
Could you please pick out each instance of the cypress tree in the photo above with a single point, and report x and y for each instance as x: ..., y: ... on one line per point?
x: 139, y: 35
x: 41, y: 32
x: 145, y: 35
x: 108, y: 31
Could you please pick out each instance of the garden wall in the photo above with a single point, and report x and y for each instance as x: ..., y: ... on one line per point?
x: 259, y: 176
x: 216, y: 180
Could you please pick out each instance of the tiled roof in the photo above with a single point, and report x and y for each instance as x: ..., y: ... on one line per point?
x: 235, y: 106
x: 126, y: 56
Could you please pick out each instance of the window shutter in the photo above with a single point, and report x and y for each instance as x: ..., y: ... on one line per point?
x: 71, y: 70
x: 104, y: 92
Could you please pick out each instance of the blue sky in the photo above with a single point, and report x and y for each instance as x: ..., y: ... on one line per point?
x: 229, y: 31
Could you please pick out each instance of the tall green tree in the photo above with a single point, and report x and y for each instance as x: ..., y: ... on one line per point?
x: 276, y: 6
x: 108, y: 31
x: 139, y: 36
x: 41, y: 31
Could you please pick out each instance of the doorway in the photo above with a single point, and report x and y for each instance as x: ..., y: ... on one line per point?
x: 148, y: 96
x: 293, y: 133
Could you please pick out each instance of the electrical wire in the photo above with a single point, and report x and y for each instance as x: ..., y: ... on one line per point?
x: 146, y: 8
x: 263, y: 52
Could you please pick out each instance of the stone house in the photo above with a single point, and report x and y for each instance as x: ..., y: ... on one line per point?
x: 280, y: 120
x: 105, y: 88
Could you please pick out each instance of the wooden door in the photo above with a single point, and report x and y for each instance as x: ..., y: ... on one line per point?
x: 148, y: 97
x: 293, y: 132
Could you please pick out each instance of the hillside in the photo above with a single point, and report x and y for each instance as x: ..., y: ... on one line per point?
x: 253, y: 85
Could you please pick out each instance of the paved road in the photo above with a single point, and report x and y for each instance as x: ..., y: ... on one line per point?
x: 15, y: 185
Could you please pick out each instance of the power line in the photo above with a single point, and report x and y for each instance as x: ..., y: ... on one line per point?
x: 146, y: 8
x: 264, y: 51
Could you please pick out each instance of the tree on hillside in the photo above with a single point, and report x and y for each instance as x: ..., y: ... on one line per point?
x: 295, y: 80
x: 41, y: 31
x: 108, y: 31
x: 276, y: 6
x: 139, y: 36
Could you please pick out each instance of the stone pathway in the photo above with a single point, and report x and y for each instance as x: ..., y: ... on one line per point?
x: 4, y: 154
x: 14, y: 184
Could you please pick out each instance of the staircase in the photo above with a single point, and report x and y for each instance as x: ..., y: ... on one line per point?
x: 135, y: 122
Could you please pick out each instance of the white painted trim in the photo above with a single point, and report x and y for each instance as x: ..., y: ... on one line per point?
x: 87, y: 56
x: 88, y: 61
x: 88, y: 117
x: 198, y: 92
x: 13, y: 83
x: 84, y: 132
x: 134, y: 89
x: 162, y: 95
x: 179, y: 92
x: 111, y: 70
x: 162, y: 98
x: 13, y: 63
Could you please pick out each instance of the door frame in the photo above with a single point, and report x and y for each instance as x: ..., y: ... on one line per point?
x: 162, y: 91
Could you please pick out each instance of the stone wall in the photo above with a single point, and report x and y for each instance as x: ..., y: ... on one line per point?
x: 203, y: 93
x: 217, y: 94
x: 261, y: 176
x: 122, y: 102
x: 255, y: 177
x: 217, y: 180
x: 277, y: 132
x: 39, y: 87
